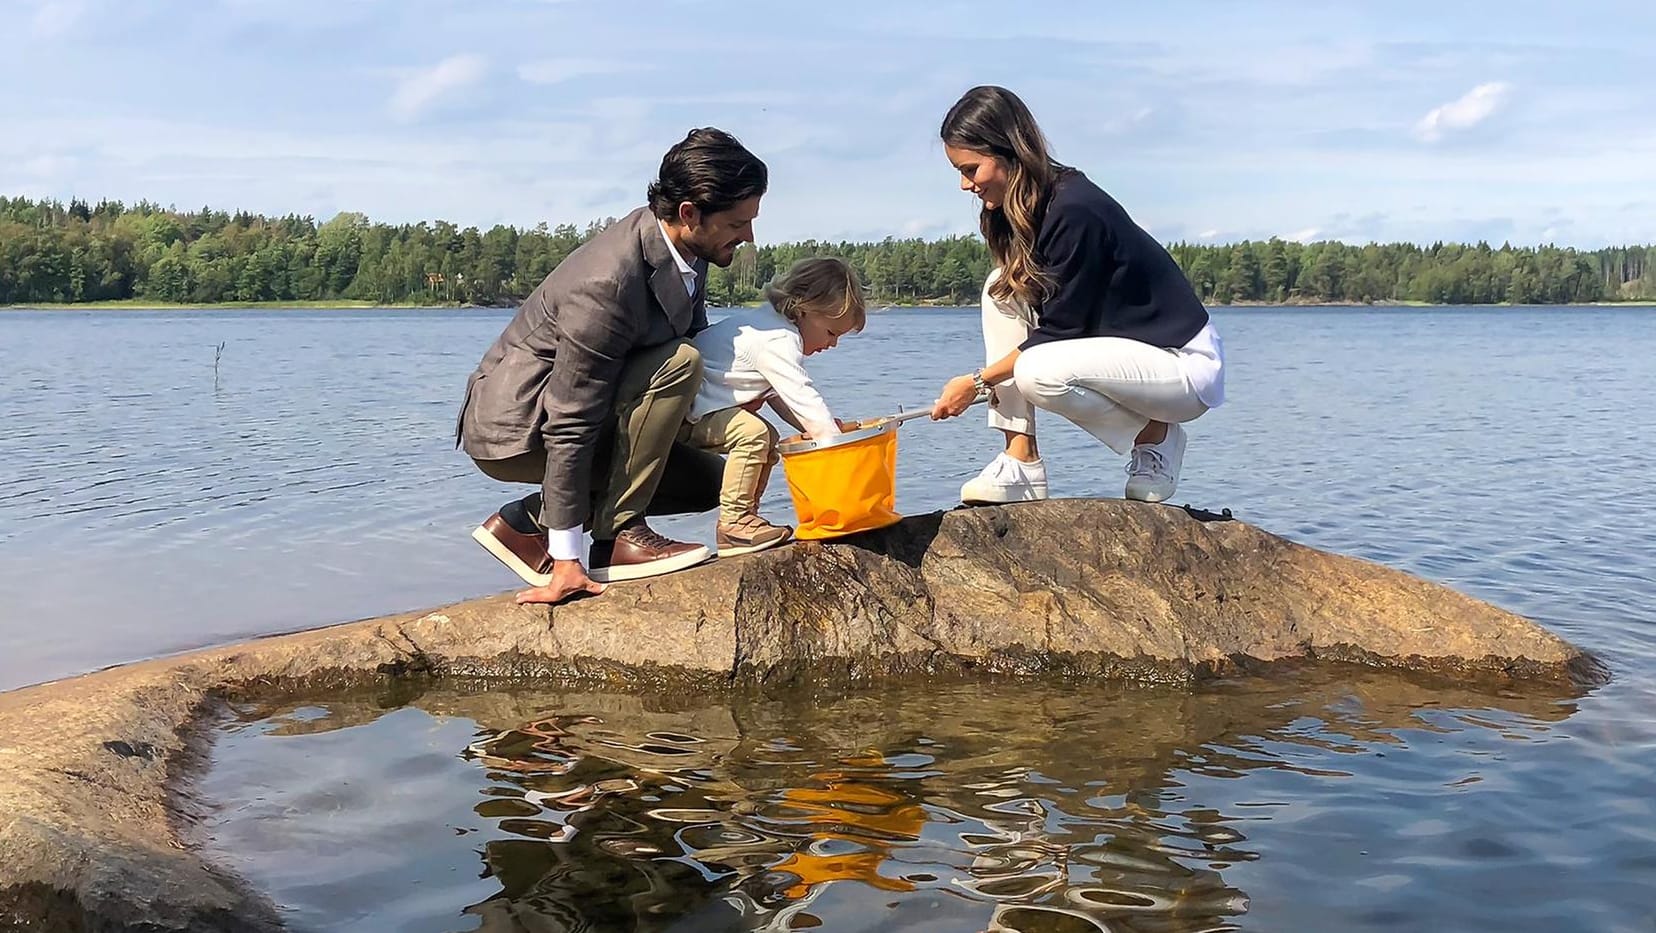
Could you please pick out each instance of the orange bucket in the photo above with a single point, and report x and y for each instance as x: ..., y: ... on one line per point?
x: 843, y: 484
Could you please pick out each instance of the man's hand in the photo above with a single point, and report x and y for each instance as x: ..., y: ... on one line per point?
x: 958, y: 394
x: 569, y: 581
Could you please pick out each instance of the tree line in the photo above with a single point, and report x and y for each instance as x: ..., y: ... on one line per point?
x: 52, y: 252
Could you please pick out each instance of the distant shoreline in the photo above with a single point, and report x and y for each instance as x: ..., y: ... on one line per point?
x: 1631, y: 303
x: 138, y: 304
x: 141, y: 304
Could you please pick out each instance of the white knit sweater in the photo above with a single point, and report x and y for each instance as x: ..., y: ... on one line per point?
x: 753, y: 354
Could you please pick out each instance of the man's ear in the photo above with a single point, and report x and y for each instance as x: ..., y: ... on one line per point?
x: 688, y: 214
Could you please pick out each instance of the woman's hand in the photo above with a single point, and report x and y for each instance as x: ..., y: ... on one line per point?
x: 958, y: 394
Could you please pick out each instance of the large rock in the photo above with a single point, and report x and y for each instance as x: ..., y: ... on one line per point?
x: 94, y: 796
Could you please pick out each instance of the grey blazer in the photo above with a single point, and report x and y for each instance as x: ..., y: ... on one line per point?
x: 550, y: 380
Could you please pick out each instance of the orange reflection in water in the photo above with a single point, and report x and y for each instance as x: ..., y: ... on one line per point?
x: 847, y: 807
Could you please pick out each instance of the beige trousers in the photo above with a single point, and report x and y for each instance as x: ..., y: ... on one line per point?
x: 749, y: 445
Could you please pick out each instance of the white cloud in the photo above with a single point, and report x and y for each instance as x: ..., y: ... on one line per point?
x: 56, y: 17
x: 1138, y: 119
x: 1207, y: 235
x: 1476, y: 106
x: 1289, y: 64
x: 47, y: 165
x: 424, y: 88
x: 1303, y: 236
x: 925, y: 228
x: 558, y: 70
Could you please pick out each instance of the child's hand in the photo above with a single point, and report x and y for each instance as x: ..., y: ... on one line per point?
x: 843, y: 427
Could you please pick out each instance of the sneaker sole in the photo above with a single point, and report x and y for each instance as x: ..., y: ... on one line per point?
x: 753, y: 548
x: 981, y: 501
x: 654, y: 568
x: 1149, y: 495
x: 504, y: 554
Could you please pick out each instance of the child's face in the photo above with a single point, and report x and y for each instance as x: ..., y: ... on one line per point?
x: 820, y: 333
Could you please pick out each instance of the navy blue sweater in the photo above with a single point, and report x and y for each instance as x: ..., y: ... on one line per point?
x: 1110, y: 278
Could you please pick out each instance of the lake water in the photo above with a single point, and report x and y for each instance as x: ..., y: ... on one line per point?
x: 154, y: 503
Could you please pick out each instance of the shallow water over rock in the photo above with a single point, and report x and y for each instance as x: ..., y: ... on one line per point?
x: 1327, y: 798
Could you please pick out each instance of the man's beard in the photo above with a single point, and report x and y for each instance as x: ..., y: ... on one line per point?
x: 719, y: 256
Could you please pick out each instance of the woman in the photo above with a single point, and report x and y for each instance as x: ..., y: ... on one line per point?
x: 1085, y: 314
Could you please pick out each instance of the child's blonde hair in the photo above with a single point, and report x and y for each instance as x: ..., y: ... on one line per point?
x: 824, y: 286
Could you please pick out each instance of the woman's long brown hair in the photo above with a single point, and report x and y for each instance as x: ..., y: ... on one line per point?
x: 993, y: 121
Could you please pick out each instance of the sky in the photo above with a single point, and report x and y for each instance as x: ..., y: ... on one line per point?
x: 1454, y: 120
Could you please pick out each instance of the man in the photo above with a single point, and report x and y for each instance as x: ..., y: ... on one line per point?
x: 585, y: 390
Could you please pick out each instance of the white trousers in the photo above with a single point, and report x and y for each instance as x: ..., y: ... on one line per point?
x: 1109, y: 386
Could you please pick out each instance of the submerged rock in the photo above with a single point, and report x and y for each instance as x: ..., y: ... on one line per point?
x: 699, y: 795
x: 93, y: 789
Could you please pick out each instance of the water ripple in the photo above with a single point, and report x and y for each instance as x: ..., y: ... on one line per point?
x: 1327, y: 798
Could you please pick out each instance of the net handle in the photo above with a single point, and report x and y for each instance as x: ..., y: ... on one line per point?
x: 903, y: 416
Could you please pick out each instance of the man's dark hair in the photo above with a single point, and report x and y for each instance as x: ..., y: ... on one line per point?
x: 711, y: 170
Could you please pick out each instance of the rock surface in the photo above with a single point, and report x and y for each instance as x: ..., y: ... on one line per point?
x: 94, y: 789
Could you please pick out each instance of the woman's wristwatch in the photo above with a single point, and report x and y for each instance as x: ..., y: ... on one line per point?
x: 978, y: 385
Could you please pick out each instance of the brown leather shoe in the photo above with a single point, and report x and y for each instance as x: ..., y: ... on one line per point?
x: 639, y: 552
x: 748, y: 534
x: 524, y: 554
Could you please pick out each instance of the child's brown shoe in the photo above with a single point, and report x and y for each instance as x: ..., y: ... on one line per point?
x: 748, y: 534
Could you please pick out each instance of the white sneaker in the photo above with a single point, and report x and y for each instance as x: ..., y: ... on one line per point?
x: 1153, y: 469
x: 1006, y: 479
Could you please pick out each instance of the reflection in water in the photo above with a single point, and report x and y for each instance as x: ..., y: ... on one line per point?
x: 1016, y: 807
x: 761, y: 820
